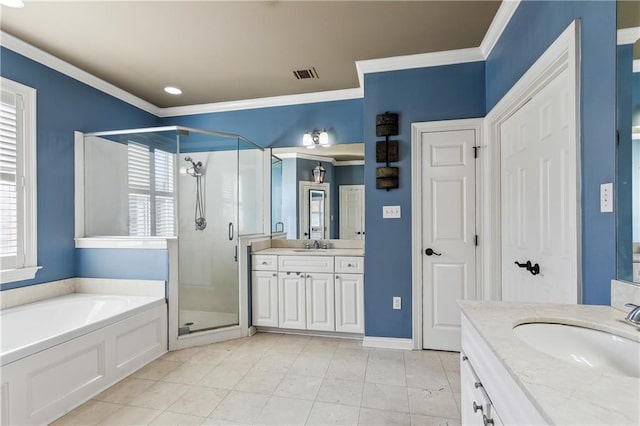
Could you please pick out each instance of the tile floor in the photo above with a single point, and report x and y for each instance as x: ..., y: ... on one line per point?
x: 277, y: 379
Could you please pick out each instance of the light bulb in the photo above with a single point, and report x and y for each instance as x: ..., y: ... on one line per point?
x: 307, y: 140
x: 324, y: 138
x: 18, y: 4
x: 173, y: 90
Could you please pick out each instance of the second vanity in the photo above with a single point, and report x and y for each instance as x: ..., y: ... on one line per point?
x: 308, y: 289
x: 507, y: 379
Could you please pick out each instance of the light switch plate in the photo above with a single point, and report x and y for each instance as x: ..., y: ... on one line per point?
x: 391, y: 212
x: 606, y: 198
x: 397, y: 303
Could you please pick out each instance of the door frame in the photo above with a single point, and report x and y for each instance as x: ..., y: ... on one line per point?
x: 564, y: 53
x: 477, y: 125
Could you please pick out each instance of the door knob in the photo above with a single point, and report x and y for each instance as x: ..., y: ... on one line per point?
x: 430, y: 252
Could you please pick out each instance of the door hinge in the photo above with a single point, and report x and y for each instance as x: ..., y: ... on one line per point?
x: 476, y: 240
x: 475, y: 151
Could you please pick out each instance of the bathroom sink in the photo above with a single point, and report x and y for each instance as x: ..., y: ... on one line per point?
x: 589, y: 348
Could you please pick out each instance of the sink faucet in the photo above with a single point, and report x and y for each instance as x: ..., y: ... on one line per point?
x: 316, y: 244
x: 634, y: 315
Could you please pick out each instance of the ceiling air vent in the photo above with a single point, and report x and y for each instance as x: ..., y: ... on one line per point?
x: 306, y: 73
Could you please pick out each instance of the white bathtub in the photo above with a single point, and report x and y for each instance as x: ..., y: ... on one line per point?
x: 58, y: 353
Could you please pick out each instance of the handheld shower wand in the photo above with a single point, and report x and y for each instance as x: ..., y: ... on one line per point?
x: 196, y: 172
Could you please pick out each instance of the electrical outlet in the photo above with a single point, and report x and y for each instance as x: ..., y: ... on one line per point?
x: 391, y: 212
x: 606, y: 198
x: 397, y: 303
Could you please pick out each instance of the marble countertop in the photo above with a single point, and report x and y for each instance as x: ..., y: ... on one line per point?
x: 299, y: 251
x: 562, y: 392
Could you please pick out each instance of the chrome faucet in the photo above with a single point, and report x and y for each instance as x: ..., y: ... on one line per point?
x: 634, y: 315
x: 316, y: 244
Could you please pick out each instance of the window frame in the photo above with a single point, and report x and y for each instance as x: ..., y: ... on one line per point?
x: 28, y: 210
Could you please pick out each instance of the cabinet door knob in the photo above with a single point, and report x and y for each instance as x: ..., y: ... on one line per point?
x: 476, y: 407
x: 486, y: 420
x: 264, y: 262
x: 337, y: 277
x: 308, y: 276
x: 477, y: 385
x: 275, y: 275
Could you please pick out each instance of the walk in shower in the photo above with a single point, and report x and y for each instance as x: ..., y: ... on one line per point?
x: 203, y: 187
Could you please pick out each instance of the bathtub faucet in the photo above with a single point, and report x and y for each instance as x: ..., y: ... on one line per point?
x: 316, y: 244
x: 634, y: 315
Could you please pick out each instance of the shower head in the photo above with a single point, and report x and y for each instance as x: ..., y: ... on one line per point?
x: 197, y: 167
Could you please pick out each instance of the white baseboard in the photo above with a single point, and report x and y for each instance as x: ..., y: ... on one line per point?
x: 387, y: 343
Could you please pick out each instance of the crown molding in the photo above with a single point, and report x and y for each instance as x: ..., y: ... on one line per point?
x: 503, y: 17
x: 320, y: 158
x: 636, y: 65
x: 628, y: 35
x: 421, y: 60
x: 349, y: 163
x: 57, y: 64
x: 303, y: 98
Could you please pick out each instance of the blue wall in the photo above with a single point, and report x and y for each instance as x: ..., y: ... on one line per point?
x: 426, y: 94
x: 284, y: 126
x: 63, y: 106
x: 532, y: 29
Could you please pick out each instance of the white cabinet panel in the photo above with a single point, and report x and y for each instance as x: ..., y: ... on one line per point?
x: 292, y: 300
x: 320, y: 302
x: 349, y: 303
x: 264, y: 262
x: 350, y: 264
x: 264, y: 293
x: 305, y: 263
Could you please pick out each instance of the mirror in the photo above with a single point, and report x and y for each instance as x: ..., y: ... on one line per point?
x: 329, y: 210
x: 628, y: 150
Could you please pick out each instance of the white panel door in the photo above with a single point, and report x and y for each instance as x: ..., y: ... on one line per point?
x: 291, y: 300
x: 320, y: 302
x: 264, y: 291
x: 448, y: 228
x: 351, y: 212
x: 539, y: 199
x: 350, y: 303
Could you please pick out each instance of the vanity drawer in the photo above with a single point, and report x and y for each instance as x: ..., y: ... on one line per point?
x: 264, y: 262
x: 350, y: 264
x: 305, y: 263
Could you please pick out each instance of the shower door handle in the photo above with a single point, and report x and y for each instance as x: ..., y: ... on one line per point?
x: 235, y: 257
x: 230, y: 231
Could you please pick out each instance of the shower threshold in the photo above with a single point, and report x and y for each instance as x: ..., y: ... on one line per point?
x: 192, y: 321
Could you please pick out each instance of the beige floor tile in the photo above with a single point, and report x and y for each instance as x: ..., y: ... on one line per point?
x: 433, y: 403
x: 168, y: 418
x: 347, y: 368
x: 209, y: 357
x: 387, y: 372
x: 428, y: 379
x: 420, y: 420
x: 215, y: 421
x: 244, y: 407
x: 343, y: 392
x: 372, y: 417
x: 301, y: 387
x: 182, y: 355
x: 123, y: 392
x: 276, y: 362
x: 222, y: 377
x: 423, y: 359
x: 198, y: 401
x: 188, y: 374
x: 132, y: 416
x: 377, y: 354
x: 385, y: 397
x: 324, y: 413
x: 157, y: 369
x: 285, y: 411
x: 454, y: 381
x: 159, y: 396
x: 310, y: 365
x: 260, y: 382
x: 90, y: 413
x: 450, y: 360
x: 350, y: 344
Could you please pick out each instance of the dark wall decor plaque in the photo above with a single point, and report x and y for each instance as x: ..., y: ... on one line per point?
x: 387, y: 152
x: 387, y: 124
x: 387, y: 177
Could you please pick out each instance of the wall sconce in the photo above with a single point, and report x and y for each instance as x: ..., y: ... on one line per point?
x: 318, y: 173
x: 315, y: 138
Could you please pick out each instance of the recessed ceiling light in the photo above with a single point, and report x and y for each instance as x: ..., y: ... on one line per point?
x: 18, y: 4
x: 173, y: 90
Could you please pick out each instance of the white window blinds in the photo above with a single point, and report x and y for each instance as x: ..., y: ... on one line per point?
x: 151, y: 191
x: 11, y: 181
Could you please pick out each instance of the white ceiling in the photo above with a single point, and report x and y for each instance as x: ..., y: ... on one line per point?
x: 219, y: 51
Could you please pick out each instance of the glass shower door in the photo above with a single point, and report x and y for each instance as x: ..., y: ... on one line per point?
x: 208, y: 234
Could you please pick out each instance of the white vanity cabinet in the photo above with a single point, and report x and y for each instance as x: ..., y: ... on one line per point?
x: 308, y: 292
x: 349, y: 294
x: 477, y: 408
x: 264, y: 290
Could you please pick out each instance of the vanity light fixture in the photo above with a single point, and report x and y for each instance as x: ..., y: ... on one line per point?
x: 173, y: 90
x: 316, y: 138
x: 318, y: 173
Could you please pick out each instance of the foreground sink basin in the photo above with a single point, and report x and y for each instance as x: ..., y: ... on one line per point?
x: 594, y: 349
